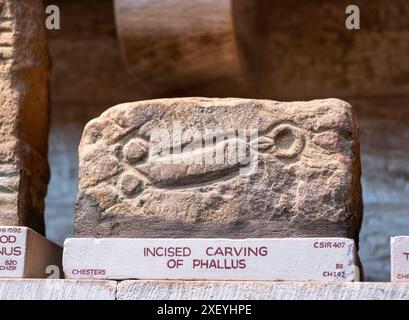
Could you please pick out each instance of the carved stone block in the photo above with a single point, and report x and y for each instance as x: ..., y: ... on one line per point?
x: 236, y: 168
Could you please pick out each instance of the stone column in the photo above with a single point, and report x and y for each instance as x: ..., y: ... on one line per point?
x: 24, y: 113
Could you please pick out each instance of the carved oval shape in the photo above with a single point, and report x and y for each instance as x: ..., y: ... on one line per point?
x: 136, y: 150
x: 288, y: 141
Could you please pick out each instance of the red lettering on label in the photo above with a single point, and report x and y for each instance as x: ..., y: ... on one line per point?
x: 89, y: 272
x: 167, y: 252
x: 333, y: 274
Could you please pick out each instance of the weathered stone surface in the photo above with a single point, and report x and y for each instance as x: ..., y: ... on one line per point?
x: 304, y: 183
x: 29, y: 289
x: 55, y: 289
x: 23, y: 113
x: 260, y: 290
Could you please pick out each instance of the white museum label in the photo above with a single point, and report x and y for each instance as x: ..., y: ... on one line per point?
x: 292, y: 259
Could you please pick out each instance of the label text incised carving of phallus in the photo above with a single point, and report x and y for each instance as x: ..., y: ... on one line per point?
x: 148, y: 166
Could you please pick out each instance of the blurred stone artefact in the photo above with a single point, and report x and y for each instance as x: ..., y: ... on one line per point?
x: 176, y: 45
x: 234, y: 168
x: 24, y: 112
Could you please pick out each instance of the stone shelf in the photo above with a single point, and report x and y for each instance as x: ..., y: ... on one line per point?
x: 30, y: 289
x: 262, y: 290
x: 55, y: 289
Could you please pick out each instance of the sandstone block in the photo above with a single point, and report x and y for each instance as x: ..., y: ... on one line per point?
x: 198, y: 167
x: 24, y: 113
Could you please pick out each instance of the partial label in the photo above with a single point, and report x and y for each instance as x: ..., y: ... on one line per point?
x: 400, y: 259
x: 12, y: 251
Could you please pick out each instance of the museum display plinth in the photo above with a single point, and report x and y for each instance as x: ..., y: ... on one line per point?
x: 53, y: 289
x: 56, y: 289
